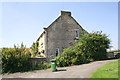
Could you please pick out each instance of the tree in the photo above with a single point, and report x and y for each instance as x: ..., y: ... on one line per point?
x: 94, y: 45
x: 34, y: 48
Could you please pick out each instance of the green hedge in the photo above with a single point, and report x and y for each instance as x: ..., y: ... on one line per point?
x: 15, y: 60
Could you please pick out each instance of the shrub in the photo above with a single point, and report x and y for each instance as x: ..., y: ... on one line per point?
x: 90, y: 47
x: 65, y: 59
x: 41, y: 65
x: 15, y: 60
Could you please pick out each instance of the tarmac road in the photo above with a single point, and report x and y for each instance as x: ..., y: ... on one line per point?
x: 78, y: 71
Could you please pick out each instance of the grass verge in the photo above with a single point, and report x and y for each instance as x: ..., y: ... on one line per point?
x: 109, y: 70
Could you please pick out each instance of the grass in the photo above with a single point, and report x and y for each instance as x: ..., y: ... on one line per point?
x: 109, y: 70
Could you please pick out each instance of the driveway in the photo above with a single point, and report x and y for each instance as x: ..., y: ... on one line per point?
x: 79, y: 71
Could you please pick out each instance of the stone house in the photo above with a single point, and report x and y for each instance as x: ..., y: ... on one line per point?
x: 60, y: 34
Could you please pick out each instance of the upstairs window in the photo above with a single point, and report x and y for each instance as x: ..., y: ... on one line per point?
x: 76, y: 33
x: 57, y: 51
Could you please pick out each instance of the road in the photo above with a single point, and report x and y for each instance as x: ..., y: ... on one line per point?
x: 78, y: 71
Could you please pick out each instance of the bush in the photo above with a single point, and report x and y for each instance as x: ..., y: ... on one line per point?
x: 90, y: 47
x: 41, y: 66
x: 65, y: 59
x: 15, y: 60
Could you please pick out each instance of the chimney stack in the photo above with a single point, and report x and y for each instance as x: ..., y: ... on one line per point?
x: 68, y: 13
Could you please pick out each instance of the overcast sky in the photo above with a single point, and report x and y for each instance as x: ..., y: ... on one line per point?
x: 24, y: 21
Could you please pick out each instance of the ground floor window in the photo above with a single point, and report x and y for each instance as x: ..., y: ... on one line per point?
x: 57, y: 51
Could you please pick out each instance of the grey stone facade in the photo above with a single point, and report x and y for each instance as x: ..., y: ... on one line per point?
x: 61, y: 34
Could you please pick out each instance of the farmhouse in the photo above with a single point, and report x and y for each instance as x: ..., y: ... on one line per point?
x: 60, y: 34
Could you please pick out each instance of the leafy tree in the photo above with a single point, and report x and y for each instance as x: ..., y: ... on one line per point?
x: 94, y: 45
x: 34, y: 48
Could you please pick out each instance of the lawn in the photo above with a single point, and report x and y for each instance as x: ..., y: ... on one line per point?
x: 109, y: 70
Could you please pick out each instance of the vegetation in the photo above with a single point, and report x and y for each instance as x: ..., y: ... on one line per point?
x: 15, y: 59
x: 41, y: 65
x: 90, y: 47
x: 109, y: 70
x: 34, y: 49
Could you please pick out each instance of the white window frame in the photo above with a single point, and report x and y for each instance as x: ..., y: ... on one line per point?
x: 57, y: 49
x: 76, y: 35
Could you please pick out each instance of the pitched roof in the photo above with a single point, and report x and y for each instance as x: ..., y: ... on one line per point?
x: 62, y: 13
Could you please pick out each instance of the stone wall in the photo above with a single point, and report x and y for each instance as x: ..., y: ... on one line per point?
x: 34, y: 61
x: 110, y: 55
x: 61, y: 34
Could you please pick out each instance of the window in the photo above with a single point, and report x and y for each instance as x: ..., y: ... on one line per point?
x: 57, y: 51
x: 76, y: 33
